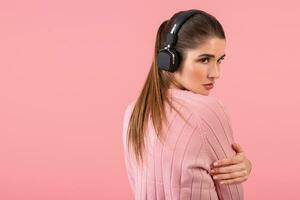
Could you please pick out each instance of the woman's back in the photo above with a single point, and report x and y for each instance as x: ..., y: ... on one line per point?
x: 179, y: 168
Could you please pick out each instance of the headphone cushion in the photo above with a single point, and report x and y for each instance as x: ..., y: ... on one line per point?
x: 168, y: 59
x: 164, y: 59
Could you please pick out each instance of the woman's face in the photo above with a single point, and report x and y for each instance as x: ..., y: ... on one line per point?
x: 201, y: 68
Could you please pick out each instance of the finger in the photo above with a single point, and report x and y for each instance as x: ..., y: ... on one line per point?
x: 228, y: 168
x: 234, y: 181
x: 237, y: 147
x: 232, y: 175
x: 229, y: 161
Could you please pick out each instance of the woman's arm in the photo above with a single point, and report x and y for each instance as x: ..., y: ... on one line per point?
x: 218, y: 149
x: 235, y: 169
x: 232, y: 170
x: 218, y: 136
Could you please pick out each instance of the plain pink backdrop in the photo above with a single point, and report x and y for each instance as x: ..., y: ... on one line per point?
x: 69, y: 68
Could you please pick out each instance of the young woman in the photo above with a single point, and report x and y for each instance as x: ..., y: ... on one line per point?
x: 174, y: 132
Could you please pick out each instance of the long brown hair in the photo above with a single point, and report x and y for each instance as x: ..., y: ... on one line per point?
x: 151, y: 101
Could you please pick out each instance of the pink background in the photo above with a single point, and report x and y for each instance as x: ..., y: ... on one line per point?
x: 69, y: 68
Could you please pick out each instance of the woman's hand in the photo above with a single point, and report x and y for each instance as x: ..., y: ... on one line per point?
x: 232, y: 170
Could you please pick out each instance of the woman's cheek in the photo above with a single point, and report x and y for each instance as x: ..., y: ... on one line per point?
x: 199, y: 73
x: 195, y: 77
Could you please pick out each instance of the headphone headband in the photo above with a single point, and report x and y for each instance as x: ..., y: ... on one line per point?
x: 168, y: 58
x: 182, y: 17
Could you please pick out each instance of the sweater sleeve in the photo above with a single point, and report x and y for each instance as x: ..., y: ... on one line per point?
x: 218, y: 137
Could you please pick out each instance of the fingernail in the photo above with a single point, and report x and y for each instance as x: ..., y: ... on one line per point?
x: 215, y: 164
x: 212, y: 171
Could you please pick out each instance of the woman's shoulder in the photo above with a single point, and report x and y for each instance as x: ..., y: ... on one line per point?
x: 195, y: 100
x: 203, y: 107
x: 128, y: 109
x: 129, y: 106
x: 209, y: 109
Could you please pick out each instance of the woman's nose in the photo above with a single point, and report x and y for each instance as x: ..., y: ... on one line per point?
x: 215, y: 71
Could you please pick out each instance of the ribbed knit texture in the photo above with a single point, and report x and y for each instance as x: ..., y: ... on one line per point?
x: 179, y: 168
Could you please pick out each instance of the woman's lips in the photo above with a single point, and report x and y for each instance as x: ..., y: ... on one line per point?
x: 209, y: 86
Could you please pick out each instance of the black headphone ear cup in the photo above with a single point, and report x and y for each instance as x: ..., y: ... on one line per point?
x: 168, y: 60
x: 164, y: 60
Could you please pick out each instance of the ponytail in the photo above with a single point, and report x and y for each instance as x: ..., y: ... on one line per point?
x: 151, y: 101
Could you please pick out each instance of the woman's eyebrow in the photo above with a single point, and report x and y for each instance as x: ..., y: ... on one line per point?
x: 211, y: 55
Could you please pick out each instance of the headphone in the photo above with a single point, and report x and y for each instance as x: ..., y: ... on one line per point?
x: 168, y: 58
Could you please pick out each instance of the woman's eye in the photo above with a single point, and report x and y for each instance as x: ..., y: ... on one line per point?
x: 203, y: 59
x: 221, y: 60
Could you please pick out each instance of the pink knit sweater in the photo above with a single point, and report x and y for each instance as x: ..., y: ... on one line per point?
x: 179, y: 168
